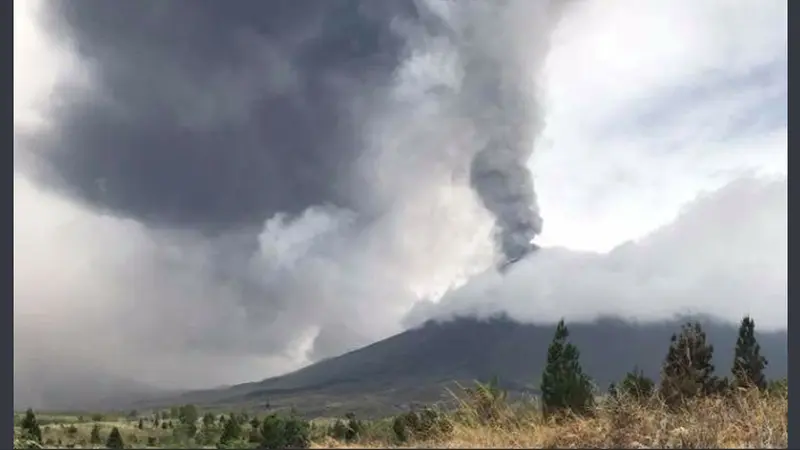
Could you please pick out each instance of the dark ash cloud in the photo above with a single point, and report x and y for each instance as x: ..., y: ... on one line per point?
x: 240, y: 187
x: 209, y: 114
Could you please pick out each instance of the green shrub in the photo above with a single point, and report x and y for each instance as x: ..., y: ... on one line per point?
x: 634, y: 386
x: 425, y: 425
x: 285, y: 432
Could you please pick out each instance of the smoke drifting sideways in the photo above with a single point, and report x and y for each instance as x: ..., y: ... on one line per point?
x: 231, y: 190
x: 724, y: 256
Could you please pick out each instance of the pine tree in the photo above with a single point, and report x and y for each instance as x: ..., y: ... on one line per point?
x: 564, y: 386
x: 94, y: 436
x: 31, y: 426
x: 748, y: 364
x: 115, y: 439
x: 687, y: 370
x: 187, y: 416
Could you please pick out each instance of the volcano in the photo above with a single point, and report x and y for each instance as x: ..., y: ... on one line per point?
x: 419, y: 365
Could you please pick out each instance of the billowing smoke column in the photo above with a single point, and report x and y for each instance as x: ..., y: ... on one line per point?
x: 500, y: 61
x: 502, y: 181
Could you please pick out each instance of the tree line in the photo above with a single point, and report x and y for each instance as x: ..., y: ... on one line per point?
x: 687, y: 372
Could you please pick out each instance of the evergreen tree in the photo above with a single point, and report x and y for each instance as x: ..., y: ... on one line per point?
x: 141, y: 424
x: 748, y: 364
x: 115, y: 439
x: 687, y: 370
x: 187, y: 416
x: 231, y: 431
x: 564, y: 386
x: 31, y: 426
x: 94, y: 436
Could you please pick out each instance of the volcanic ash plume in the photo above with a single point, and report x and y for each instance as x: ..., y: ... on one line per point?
x: 501, y: 46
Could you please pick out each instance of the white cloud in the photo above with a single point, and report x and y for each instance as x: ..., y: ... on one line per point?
x: 724, y: 255
x: 651, y: 102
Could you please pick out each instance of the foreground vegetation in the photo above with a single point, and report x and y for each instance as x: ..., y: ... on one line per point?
x: 689, y: 407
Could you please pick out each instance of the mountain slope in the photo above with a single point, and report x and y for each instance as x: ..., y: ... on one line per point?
x: 417, y: 365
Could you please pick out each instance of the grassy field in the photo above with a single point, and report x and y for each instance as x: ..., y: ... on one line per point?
x: 746, y: 419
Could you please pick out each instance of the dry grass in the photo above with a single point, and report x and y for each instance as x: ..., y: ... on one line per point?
x: 748, y: 419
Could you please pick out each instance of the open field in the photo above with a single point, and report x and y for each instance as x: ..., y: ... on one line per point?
x: 745, y: 419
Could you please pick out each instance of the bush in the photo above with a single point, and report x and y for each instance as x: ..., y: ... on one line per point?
x: 285, y: 432
x: 427, y: 424
x: 297, y: 432
x: 486, y: 401
x: 354, y: 427
x: 338, y: 430
x: 635, y: 386
x: 778, y: 388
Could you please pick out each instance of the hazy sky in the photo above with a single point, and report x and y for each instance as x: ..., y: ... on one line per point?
x: 151, y: 177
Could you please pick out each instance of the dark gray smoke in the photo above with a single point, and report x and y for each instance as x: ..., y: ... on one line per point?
x: 509, y: 119
x: 500, y: 66
x: 221, y: 115
x: 214, y: 115
x: 250, y: 185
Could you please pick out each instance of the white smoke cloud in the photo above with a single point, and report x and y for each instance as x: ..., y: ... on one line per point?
x: 725, y: 255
